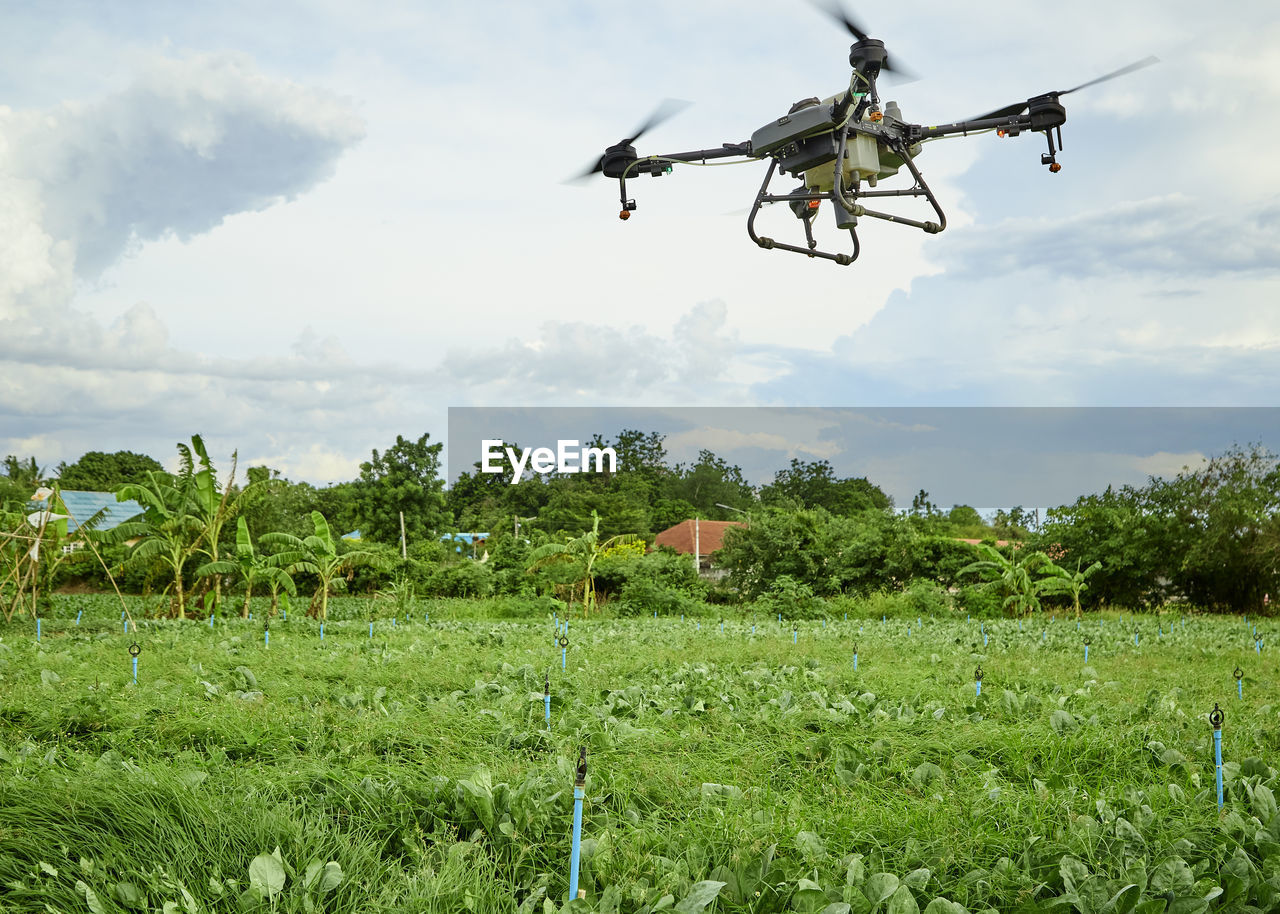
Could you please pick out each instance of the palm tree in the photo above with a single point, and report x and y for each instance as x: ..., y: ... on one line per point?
x: 1014, y: 577
x: 1068, y: 582
x: 254, y: 567
x: 319, y: 556
x: 580, y: 554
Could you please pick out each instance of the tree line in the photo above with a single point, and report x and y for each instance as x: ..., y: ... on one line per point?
x: 1210, y: 536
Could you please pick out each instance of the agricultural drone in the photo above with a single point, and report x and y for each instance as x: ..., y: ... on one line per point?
x: 870, y: 142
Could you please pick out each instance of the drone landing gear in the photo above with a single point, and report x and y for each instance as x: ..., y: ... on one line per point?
x: 804, y: 203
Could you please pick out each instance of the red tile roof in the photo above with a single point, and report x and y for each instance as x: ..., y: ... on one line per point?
x: 710, y: 534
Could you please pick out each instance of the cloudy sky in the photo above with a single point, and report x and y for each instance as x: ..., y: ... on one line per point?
x: 303, y: 228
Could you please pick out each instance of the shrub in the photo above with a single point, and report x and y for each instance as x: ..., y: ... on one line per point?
x: 793, y: 599
x: 643, y: 597
x: 461, y: 579
x: 981, y: 600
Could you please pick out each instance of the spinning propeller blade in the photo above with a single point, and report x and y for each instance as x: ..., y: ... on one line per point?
x: 837, y: 12
x: 1019, y: 107
x: 1138, y: 65
x: 667, y: 109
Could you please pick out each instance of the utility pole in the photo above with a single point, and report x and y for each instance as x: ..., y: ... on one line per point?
x: 697, y: 547
x: 404, y: 553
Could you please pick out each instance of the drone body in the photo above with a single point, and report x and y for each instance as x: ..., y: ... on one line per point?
x: 841, y: 147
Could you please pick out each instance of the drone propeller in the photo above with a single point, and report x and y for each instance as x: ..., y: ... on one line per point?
x: 1018, y: 107
x: 667, y: 109
x: 837, y: 12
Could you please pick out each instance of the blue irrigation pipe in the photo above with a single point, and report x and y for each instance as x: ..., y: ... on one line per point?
x: 795, y: 636
x: 546, y: 699
x: 579, y: 787
x: 322, y: 631
x: 984, y: 639
x: 1215, y: 718
x: 37, y: 630
x: 78, y: 615
x: 855, y: 660
x: 370, y: 629
x: 135, y: 670
x: 211, y: 620
x: 977, y: 682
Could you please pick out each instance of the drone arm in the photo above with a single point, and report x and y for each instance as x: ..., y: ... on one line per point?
x: 661, y: 164
x: 1014, y: 124
x: 656, y: 164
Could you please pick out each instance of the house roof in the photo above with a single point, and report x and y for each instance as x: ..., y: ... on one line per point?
x: 973, y: 542
x: 709, y: 535
x: 84, y: 505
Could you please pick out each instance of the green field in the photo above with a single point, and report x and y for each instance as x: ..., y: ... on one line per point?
x: 413, y: 771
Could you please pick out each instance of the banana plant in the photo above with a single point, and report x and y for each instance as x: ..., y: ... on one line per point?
x: 580, y: 553
x: 252, y: 567
x: 1022, y: 593
x: 1063, y: 581
x: 170, y: 531
x: 320, y: 556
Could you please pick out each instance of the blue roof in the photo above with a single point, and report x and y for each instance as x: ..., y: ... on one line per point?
x: 84, y: 505
x: 467, y: 538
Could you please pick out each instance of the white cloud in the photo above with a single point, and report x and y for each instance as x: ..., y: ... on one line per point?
x: 189, y: 142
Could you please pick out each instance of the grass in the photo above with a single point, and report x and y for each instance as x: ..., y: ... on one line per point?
x: 418, y: 763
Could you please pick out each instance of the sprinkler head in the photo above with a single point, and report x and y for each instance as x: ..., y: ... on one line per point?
x: 1238, y: 673
x: 1087, y: 641
x: 977, y: 674
x: 135, y: 649
x: 564, y: 641
x: 1216, y: 716
x: 580, y: 777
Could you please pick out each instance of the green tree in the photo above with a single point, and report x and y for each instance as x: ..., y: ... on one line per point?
x: 1123, y: 530
x: 580, y: 555
x: 98, y: 471
x: 777, y: 542
x: 1219, y: 518
x: 708, y: 482
x: 320, y: 556
x: 21, y: 478
x: 814, y: 484
x: 406, y: 478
